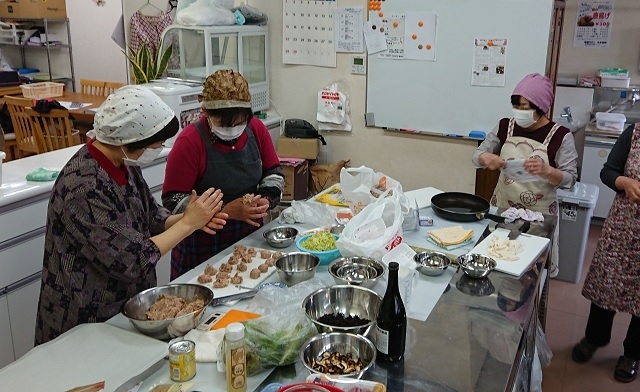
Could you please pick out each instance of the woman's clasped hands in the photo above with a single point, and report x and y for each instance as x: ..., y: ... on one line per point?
x: 204, y: 211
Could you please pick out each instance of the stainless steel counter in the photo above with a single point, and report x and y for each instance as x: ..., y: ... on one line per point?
x: 479, y: 337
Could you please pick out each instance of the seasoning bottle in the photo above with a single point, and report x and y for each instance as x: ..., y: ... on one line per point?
x: 235, y: 358
x: 391, y: 328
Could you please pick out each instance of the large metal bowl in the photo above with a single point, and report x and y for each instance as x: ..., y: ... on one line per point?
x: 431, y: 263
x: 358, y: 271
x: 136, y: 307
x: 296, y: 267
x: 281, y: 236
x: 344, y: 343
x: 348, y: 300
x: 476, y: 265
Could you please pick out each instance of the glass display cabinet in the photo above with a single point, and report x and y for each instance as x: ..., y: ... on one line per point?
x: 199, y: 51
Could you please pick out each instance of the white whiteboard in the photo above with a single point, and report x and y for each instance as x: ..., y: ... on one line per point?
x: 437, y: 97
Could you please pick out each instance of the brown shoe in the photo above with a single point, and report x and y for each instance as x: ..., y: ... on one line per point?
x: 583, y: 351
x: 626, y: 369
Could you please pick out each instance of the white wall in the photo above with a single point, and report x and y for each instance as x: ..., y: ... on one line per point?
x: 623, y: 51
x: 415, y: 161
x: 95, y: 55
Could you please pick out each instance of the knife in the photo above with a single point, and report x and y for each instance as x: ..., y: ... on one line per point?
x: 514, y: 233
x: 233, y: 297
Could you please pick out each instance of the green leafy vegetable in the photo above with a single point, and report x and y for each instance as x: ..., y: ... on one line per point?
x: 320, y: 242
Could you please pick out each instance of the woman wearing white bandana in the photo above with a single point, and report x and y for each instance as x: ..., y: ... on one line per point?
x: 105, y: 231
x: 548, y: 150
x: 229, y: 149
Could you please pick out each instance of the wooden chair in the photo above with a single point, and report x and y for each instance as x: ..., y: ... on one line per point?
x: 111, y: 87
x: 92, y: 87
x: 28, y: 138
x: 55, y: 128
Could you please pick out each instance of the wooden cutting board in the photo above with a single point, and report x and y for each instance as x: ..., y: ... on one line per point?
x: 533, y: 247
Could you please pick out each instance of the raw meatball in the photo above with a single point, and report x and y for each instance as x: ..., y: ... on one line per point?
x: 210, y: 270
x: 247, y: 259
x: 252, y: 252
x: 265, y: 254
x: 277, y: 254
x: 254, y: 274
x: 263, y: 267
x: 220, y: 283
x: 233, y: 260
x: 222, y: 275
x: 248, y: 198
x: 270, y: 262
x: 237, y: 279
x: 240, y: 248
x: 224, y: 267
x: 242, y: 267
x: 205, y: 278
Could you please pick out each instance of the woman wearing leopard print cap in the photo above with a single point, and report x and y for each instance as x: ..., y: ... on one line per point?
x: 229, y: 149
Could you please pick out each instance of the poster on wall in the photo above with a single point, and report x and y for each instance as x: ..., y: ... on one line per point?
x: 308, y: 35
x: 393, y: 29
x: 349, y: 30
x: 593, y: 24
x: 489, y: 62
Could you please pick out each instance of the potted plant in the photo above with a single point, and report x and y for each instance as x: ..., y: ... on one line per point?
x: 146, y: 65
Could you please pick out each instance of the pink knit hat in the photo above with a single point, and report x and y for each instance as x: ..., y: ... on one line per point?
x: 537, y: 89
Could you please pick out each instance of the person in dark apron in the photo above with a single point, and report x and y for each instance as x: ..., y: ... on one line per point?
x: 230, y: 148
x: 613, y: 280
x: 548, y: 150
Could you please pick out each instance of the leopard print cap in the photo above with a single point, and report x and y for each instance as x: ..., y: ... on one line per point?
x: 225, y: 89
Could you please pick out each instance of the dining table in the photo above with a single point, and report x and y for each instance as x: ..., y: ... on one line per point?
x: 82, y: 115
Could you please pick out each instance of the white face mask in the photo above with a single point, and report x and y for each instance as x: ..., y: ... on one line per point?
x: 227, y: 133
x: 524, y: 118
x: 148, y: 155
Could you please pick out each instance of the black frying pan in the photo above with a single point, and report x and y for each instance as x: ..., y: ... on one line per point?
x: 462, y: 207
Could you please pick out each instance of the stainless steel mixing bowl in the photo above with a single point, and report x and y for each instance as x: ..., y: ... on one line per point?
x: 431, y: 263
x: 476, y: 265
x: 356, y: 271
x: 296, y: 267
x: 136, y: 307
x: 281, y: 236
x: 348, y: 300
x: 344, y: 343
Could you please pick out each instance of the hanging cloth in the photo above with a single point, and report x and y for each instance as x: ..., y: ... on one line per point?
x: 148, y: 29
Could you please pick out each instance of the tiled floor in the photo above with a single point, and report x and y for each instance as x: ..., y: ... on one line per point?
x: 566, y: 319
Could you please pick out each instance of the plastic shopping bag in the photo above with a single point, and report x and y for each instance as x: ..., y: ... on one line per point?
x: 362, y: 186
x: 375, y: 230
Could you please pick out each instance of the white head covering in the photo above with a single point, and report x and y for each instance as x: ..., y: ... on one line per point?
x: 130, y: 114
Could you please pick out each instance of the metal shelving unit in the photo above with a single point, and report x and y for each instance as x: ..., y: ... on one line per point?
x: 49, y: 48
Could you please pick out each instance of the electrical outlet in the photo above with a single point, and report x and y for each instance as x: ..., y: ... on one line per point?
x: 358, y: 65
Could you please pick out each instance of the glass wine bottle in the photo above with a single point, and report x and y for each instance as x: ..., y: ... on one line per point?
x: 391, y: 328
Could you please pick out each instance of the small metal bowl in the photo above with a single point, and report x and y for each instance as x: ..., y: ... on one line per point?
x: 281, y: 236
x: 296, y: 267
x: 476, y: 265
x: 431, y: 263
x: 348, y: 300
x: 344, y: 343
x: 356, y: 268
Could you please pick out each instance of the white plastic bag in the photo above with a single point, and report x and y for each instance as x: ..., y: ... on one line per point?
x: 205, y: 13
x: 333, y: 109
x: 375, y: 230
x: 362, y: 186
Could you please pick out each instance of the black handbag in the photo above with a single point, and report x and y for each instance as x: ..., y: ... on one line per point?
x: 298, y: 128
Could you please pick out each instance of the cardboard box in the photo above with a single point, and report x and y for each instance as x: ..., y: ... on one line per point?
x: 296, y: 177
x: 43, y: 9
x: 9, y: 9
x: 298, y: 148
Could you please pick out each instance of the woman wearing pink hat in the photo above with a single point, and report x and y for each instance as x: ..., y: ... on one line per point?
x: 547, y: 148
